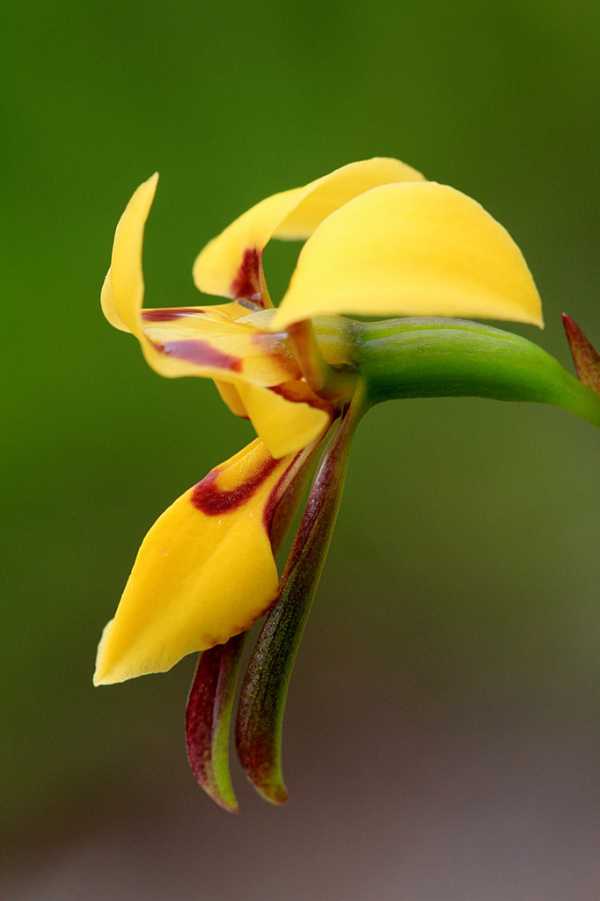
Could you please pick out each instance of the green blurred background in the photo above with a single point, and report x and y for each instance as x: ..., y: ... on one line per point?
x: 442, y: 737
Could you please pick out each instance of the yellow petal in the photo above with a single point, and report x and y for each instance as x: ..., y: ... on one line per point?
x: 216, y: 341
x: 196, y: 342
x: 204, y: 572
x: 230, y: 265
x: 418, y: 249
x: 287, y: 417
x: 204, y: 341
x: 123, y: 290
x: 231, y: 398
x: 109, y: 307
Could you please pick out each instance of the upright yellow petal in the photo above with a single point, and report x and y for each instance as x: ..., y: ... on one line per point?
x: 418, y: 249
x: 204, y: 572
x: 123, y: 290
x: 230, y: 265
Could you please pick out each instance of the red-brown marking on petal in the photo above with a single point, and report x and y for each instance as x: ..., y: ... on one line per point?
x: 585, y: 356
x: 209, y: 498
x: 298, y: 392
x: 275, y: 347
x: 168, y: 314
x: 246, y: 283
x: 201, y: 353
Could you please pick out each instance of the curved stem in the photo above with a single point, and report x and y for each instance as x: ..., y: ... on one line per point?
x: 439, y: 358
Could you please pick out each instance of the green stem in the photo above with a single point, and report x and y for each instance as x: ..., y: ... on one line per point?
x: 401, y: 358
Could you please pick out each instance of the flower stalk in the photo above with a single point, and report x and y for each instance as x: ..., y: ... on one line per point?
x: 404, y: 358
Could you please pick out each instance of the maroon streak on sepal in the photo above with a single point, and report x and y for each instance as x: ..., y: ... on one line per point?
x: 208, y: 497
x: 169, y: 314
x: 201, y: 353
x: 264, y: 689
x: 208, y: 720
x: 585, y: 356
x: 247, y: 283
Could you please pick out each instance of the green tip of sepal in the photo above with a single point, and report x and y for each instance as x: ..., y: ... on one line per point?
x: 585, y: 356
x: 277, y: 794
x: 273, y: 789
x: 208, y: 721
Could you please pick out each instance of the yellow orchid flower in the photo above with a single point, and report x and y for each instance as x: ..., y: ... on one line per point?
x: 380, y: 241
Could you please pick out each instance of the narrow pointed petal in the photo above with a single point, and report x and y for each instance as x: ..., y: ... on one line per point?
x: 231, y: 264
x: 204, y: 572
x: 411, y: 249
x: 287, y: 417
x: 264, y: 690
x: 123, y: 289
x: 208, y: 341
x: 585, y: 356
x: 208, y: 720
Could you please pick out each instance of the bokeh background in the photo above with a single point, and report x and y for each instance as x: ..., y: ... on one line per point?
x: 443, y: 731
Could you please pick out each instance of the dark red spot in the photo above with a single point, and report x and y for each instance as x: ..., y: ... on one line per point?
x: 246, y: 284
x: 208, y: 498
x: 201, y: 353
x: 169, y: 314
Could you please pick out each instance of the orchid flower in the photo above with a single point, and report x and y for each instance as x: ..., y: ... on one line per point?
x: 380, y: 242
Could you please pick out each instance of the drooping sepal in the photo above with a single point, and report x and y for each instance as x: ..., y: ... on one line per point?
x: 585, y: 356
x: 265, y: 686
x: 212, y: 695
x: 208, y: 719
